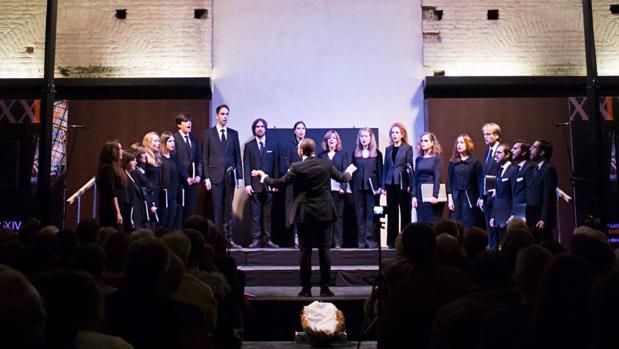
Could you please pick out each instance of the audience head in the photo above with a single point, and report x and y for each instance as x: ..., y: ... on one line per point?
x: 142, y: 233
x: 68, y: 244
x: 115, y: 248
x: 530, y: 265
x: 448, y: 250
x: 447, y: 226
x: 474, y: 242
x: 179, y: 244
x: 561, y: 318
x: 331, y: 140
x: 90, y: 259
x: 145, y: 264
x: 594, y: 250
x: 197, y: 247
x: 605, y: 310
x: 491, y: 269
x: 419, y: 243
x: 104, y: 232
x: 205, y: 226
x: 22, y: 315
x: 173, y: 276
x: 87, y: 230
x: 73, y: 303
x: 28, y: 231
x: 514, y: 240
x: 491, y: 133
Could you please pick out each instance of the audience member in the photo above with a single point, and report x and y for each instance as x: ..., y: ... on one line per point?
x: 87, y: 230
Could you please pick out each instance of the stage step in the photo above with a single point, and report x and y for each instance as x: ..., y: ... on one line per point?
x: 290, y: 256
x: 279, y: 267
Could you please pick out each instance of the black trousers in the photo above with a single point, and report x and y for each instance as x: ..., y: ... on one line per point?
x: 261, y: 204
x: 338, y: 224
x: 223, y: 193
x: 364, y: 206
x: 397, y: 200
x: 315, y: 234
x: 191, y: 197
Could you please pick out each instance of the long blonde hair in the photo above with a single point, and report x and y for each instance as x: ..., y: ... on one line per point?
x: 371, y: 147
x: 436, y: 146
x: 153, y: 157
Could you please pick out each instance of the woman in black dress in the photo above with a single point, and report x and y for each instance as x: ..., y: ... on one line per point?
x: 111, y: 182
x: 427, y: 170
x: 463, y: 182
x: 366, y: 185
x: 332, y: 150
x: 170, y: 183
x: 397, y: 172
x: 133, y: 213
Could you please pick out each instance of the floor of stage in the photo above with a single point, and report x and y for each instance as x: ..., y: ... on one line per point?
x: 293, y: 345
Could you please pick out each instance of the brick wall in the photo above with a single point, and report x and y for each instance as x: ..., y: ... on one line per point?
x: 530, y: 37
x: 156, y: 39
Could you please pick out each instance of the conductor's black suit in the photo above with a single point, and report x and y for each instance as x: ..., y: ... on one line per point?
x: 312, y: 211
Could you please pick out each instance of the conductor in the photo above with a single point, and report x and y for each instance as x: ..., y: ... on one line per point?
x: 312, y: 211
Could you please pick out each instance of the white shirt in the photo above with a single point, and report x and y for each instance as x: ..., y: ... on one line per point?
x: 219, y: 128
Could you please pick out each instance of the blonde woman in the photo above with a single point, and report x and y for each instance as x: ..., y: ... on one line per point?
x: 427, y: 170
x: 366, y: 185
x: 152, y: 168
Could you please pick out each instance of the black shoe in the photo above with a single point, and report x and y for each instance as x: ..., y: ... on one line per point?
x: 254, y: 244
x: 326, y: 292
x: 270, y: 244
x: 305, y: 292
x: 232, y: 244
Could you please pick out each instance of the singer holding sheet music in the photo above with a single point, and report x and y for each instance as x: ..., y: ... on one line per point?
x: 427, y: 170
x: 463, y: 183
x: 366, y: 184
x: 170, y: 183
x: 396, y: 180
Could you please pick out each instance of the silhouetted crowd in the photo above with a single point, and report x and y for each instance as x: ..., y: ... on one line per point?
x: 447, y: 290
x: 99, y: 288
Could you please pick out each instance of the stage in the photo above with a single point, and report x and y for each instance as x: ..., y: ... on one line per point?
x: 272, y: 285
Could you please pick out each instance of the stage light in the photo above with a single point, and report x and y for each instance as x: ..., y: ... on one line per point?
x: 614, y: 9
x: 200, y: 13
x: 493, y: 15
x: 121, y: 13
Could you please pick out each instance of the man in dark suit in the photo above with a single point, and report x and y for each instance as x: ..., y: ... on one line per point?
x: 542, y: 189
x: 520, y: 159
x: 260, y: 154
x: 502, y: 199
x: 187, y: 157
x: 312, y: 210
x: 221, y: 161
x: 492, y: 137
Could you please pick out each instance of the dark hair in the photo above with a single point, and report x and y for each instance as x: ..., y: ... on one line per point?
x: 307, y: 146
x: 524, y: 148
x: 182, y: 117
x: 546, y: 148
x: 221, y: 106
x: 87, y: 230
x: 419, y: 243
x: 255, y: 123
x: 297, y: 124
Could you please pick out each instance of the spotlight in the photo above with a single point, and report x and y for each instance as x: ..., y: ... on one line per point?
x: 493, y: 15
x: 614, y: 9
x: 121, y: 13
x: 200, y: 13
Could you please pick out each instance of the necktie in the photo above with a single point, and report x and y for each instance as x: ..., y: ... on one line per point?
x: 223, y: 136
x: 187, y: 141
x: 261, y: 148
x: 489, y: 160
